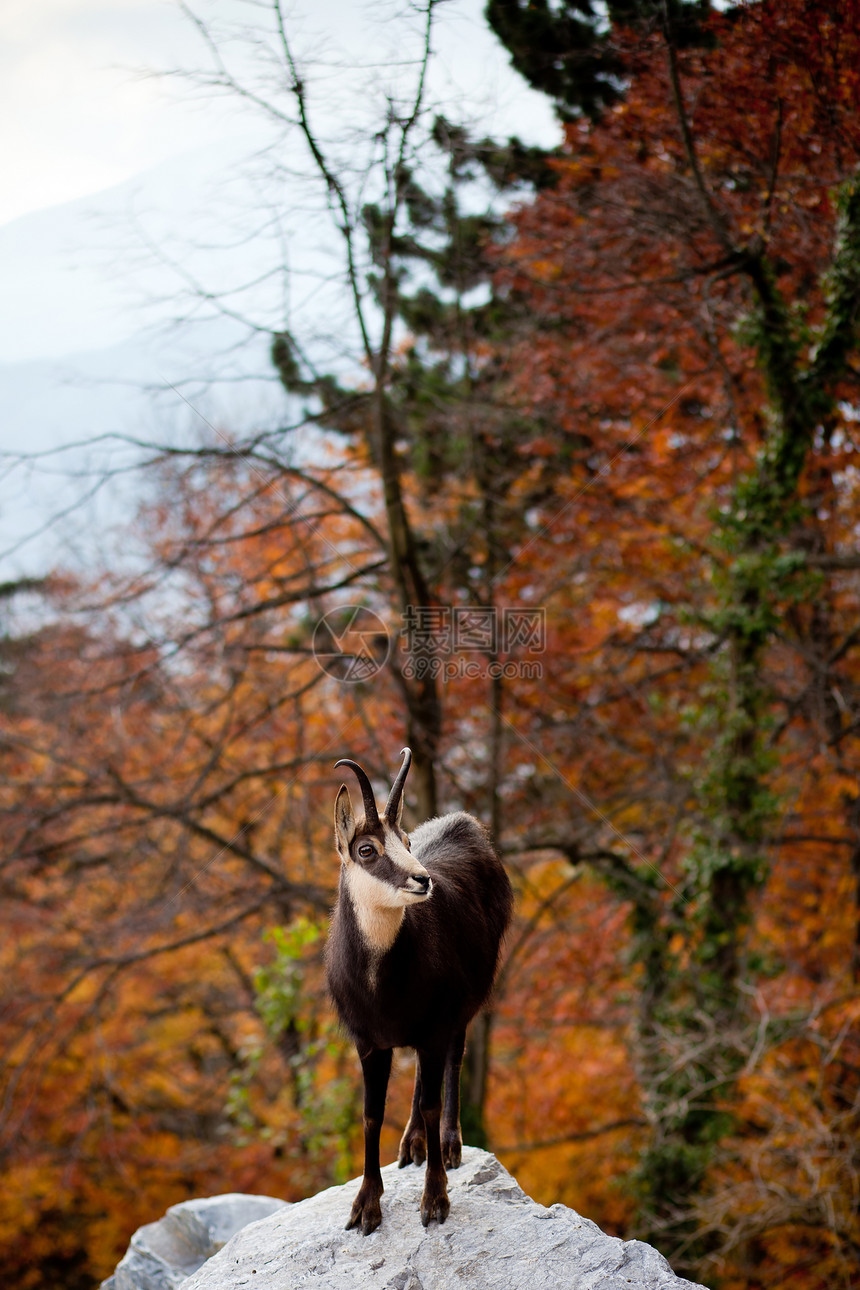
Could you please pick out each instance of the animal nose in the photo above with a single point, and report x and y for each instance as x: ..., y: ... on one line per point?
x: 422, y: 880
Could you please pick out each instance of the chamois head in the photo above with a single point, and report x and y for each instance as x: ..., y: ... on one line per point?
x: 380, y: 872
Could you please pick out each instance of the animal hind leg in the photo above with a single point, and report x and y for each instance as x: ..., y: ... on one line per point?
x: 434, y: 1202
x: 413, y: 1144
x: 452, y: 1134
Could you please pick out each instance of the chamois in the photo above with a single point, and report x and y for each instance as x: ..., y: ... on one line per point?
x: 411, y: 957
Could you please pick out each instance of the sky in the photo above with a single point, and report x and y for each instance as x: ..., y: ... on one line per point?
x: 97, y: 148
x: 81, y: 113
x: 80, y: 121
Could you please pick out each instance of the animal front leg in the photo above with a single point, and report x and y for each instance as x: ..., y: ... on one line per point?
x: 434, y: 1202
x: 366, y: 1211
x: 413, y: 1144
x: 452, y: 1135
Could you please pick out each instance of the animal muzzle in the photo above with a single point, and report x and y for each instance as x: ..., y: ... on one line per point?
x: 418, y: 884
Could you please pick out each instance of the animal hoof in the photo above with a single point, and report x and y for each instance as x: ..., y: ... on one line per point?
x: 413, y: 1150
x: 366, y: 1213
x: 452, y: 1151
x: 434, y: 1206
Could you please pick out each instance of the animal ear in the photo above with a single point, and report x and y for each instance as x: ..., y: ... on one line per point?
x: 344, y: 821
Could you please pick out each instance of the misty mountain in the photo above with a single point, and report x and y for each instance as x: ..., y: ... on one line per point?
x: 104, y: 332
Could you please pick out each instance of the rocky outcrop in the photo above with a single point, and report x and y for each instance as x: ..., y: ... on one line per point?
x: 495, y: 1238
x: 164, y: 1254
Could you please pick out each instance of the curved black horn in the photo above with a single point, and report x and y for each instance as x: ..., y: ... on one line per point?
x: 370, y: 814
x: 393, y: 802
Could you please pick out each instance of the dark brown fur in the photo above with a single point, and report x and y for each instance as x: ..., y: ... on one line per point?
x: 421, y: 993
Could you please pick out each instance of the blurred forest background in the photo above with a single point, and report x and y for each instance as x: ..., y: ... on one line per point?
x: 616, y: 383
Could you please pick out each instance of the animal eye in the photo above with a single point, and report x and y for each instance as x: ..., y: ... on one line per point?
x: 366, y: 851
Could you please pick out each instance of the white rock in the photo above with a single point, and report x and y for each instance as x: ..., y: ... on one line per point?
x: 164, y: 1254
x: 495, y: 1238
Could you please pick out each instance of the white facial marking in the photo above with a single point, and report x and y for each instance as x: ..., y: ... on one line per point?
x: 378, y: 905
x: 403, y: 858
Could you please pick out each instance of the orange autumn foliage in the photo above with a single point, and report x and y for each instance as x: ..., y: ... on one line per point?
x: 168, y: 739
